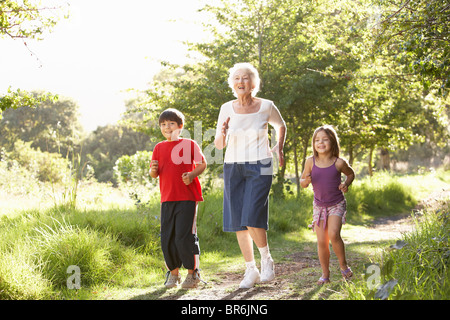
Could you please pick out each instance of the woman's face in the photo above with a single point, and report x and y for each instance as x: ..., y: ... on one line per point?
x: 242, y: 82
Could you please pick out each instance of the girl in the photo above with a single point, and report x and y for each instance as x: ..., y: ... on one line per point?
x: 324, y: 170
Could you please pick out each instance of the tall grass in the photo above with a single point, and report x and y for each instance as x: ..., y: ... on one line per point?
x: 37, y: 249
x: 380, y: 195
x: 418, y: 268
x: 119, y: 247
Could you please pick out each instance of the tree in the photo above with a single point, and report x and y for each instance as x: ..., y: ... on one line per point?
x: 26, y: 19
x: 104, y: 146
x: 315, y: 63
x: 20, y: 98
x: 417, y: 33
x: 52, y: 126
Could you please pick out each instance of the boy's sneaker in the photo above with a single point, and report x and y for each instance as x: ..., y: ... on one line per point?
x: 172, y: 280
x: 251, y: 277
x: 267, y: 270
x: 191, y: 281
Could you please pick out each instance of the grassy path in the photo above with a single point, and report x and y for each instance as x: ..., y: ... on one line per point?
x: 297, y: 268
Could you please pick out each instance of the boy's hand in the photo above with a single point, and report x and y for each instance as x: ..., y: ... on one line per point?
x: 154, y: 167
x: 186, y: 178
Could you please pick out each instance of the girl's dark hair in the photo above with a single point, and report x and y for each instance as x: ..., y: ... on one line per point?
x: 331, y: 133
x: 171, y: 115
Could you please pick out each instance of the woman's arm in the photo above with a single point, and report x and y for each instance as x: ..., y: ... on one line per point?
x: 220, y: 141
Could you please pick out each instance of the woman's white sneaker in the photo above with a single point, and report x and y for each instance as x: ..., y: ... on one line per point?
x: 267, y: 270
x: 251, y: 277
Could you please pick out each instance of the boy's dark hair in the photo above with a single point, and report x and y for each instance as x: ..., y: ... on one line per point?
x: 171, y: 115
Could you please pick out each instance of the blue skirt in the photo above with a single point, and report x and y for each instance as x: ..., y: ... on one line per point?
x: 246, y: 195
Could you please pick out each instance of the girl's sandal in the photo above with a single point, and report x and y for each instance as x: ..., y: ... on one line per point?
x: 322, y: 281
x: 347, y: 274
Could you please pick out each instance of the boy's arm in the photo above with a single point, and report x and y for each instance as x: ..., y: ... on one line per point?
x: 188, y: 177
x: 154, y: 169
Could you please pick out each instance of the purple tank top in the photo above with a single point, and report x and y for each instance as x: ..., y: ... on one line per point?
x: 326, y: 183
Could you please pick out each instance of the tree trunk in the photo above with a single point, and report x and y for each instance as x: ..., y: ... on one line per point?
x: 351, y: 158
x: 297, y: 177
x: 385, y: 159
x: 370, y: 161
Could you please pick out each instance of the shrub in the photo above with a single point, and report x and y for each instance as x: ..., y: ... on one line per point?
x: 44, y: 165
x: 132, y: 174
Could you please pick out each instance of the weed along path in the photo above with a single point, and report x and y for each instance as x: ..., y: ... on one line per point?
x: 297, y: 267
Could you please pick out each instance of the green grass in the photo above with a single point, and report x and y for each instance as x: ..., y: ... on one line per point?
x: 419, y: 266
x: 118, y: 247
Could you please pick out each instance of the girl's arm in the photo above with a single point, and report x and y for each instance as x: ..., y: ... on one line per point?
x: 305, y: 179
x: 345, y: 168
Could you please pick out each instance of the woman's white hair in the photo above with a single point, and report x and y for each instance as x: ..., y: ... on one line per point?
x: 253, y: 73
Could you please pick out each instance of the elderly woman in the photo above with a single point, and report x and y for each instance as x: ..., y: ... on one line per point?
x: 242, y: 128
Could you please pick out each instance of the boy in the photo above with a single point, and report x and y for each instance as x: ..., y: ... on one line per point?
x: 178, y: 162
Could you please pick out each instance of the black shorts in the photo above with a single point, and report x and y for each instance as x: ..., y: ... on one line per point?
x: 179, y: 241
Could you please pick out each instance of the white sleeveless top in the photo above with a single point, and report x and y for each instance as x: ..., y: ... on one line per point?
x: 247, y: 137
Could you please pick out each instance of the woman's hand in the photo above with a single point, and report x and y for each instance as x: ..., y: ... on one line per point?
x: 280, y: 154
x: 225, y: 127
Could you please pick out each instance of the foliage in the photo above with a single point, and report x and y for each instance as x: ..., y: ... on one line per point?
x: 52, y: 126
x: 417, y: 32
x: 20, y: 98
x: 104, y: 146
x: 132, y: 174
x: 315, y: 66
x: 44, y: 166
x: 134, y: 168
x: 28, y: 18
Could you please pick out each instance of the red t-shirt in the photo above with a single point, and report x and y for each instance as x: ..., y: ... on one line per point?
x: 174, y: 159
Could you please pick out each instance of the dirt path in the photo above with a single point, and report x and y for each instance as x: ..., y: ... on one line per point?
x: 297, y: 272
x: 296, y: 275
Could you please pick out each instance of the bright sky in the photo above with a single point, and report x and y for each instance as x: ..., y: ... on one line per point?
x: 106, y: 47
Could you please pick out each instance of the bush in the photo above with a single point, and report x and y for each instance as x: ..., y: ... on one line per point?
x: 134, y: 169
x: 132, y: 174
x: 44, y: 166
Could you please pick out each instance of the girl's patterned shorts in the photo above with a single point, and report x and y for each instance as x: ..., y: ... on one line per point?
x: 322, y: 213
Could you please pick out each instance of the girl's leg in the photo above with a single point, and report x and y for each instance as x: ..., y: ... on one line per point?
x: 334, y: 234
x: 323, y: 248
